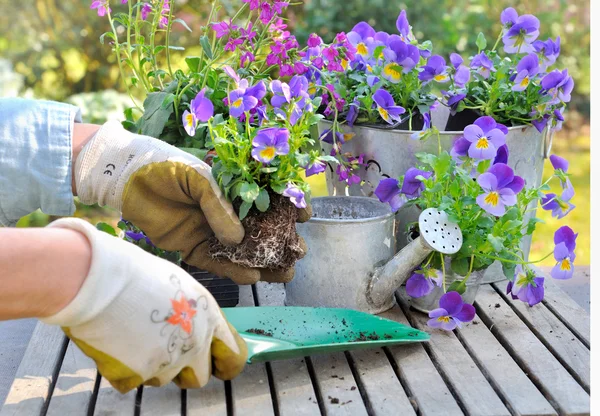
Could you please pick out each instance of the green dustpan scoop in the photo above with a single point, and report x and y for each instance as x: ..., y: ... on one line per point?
x: 278, y: 333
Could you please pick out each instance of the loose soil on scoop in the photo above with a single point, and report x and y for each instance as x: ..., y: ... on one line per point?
x: 271, y: 241
x: 259, y: 331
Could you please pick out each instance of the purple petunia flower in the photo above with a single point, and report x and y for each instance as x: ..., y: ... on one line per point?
x: 485, y: 138
x: 295, y: 194
x: 523, y: 31
x: 526, y: 287
x: 451, y: 313
x: 527, y: 67
x: 500, y: 187
x: 270, y: 142
x: 558, y: 85
x: 559, y: 206
x: 387, y: 108
x: 202, y: 109
x: 388, y: 190
x: 411, y: 186
x: 483, y: 65
x: 435, y: 69
x: 422, y: 283
x: 101, y: 6
x: 547, y: 51
x: 564, y: 253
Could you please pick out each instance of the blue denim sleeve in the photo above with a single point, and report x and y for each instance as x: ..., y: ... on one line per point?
x: 35, y: 158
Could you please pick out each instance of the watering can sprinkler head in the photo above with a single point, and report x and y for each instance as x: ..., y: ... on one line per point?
x: 436, y: 233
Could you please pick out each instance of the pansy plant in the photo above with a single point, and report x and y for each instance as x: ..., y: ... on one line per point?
x: 517, y: 85
x: 480, y: 192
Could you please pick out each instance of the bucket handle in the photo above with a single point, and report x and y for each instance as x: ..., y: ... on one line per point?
x: 547, y: 142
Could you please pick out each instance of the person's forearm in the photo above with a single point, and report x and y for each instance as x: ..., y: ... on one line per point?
x: 41, y: 270
x: 82, y: 133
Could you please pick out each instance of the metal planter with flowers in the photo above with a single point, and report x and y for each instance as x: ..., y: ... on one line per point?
x: 519, y: 90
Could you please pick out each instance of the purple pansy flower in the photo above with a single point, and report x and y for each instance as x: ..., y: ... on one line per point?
x: 485, y: 138
x: 295, y: 194
x: 388, y: 190
x: 240, y: 101
x: 417, y: 135
x: 451, y: 313
x: 508, y: 17
x: 315, y: 167
x: 561, y: 167
x: 435, y: 69
x: 500, y: 187
x: 527, y: 67
x: 202, y: 109
x: 454, y: 100
x: 547, y: 51
x: 483, y: 65
x: 270, y: 142
x: 386, y: 106
x: 411, y: 186
x: 558, y: 119
x: 462, y: 74
x: 526, y: 287
x: 502, y: 155
x: 558, y: 85
x: 352, y: 112
x: 362, y: 38
x: 135, y: 236
x: 521, y: 34
x: 422, y: 283
x: 560, y: 207
x: 399, y: 53
x: 564, y: 253
x: 403, y: 26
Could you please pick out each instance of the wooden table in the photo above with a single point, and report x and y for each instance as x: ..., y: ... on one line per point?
x: 511, y: 360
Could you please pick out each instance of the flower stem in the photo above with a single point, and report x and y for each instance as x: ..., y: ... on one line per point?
x: 497, y: 41
x: 169, y: 24
x: 443, y: 272
x: 515, y: 262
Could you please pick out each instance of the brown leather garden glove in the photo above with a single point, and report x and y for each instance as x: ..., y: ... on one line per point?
x: 144, y: 320
x: 168, y: 193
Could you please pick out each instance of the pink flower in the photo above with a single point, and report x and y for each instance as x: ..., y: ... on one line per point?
x: 102, y: 6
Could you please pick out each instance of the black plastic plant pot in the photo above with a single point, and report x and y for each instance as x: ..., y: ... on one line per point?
x: 460, y: 120
x: 225, y: 291
x: 417, y: 123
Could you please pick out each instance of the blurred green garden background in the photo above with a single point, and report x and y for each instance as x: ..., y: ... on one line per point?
x: 50, y: 49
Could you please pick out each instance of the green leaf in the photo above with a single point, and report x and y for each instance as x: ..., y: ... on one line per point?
x: 249, y: 191
x: 158, y: 49
x: 269, y: 170
x: 460, y: 266
x: 485, y: 222
x: 244, y: 208
x: 167, y: 101
x: 315, y: 118
x: 496, y: 242
x: 226, y: 177
x: 442, y: 164
x: 206, y: 46
x: 193, y: 63
x: 532, y: 223
x: 483, y: 166
x: 263, y: 200
x: 111, y: 35
x: 458, y: 286
x: 235, y: 191
x: 481, y: 42
x: 378, y: 51
x: 183, y: 23
x: 199, y: 153
x: 455, y: 190
x: 102, y: 226
x: 155, y: 117
x: 177, y: 48
x: 509, y: 270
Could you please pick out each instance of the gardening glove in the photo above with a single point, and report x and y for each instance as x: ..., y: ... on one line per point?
x: 144, y: 320
x: 168, y: 193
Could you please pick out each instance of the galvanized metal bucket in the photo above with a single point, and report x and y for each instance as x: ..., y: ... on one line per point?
x: 390, y: 153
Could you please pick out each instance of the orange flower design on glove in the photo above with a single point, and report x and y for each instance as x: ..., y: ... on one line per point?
x: 183, y: 313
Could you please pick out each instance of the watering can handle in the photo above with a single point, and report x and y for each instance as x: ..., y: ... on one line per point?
x: 547, y: 142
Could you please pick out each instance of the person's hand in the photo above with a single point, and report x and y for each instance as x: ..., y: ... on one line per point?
x: 144, y: 320
x: 169, y: 194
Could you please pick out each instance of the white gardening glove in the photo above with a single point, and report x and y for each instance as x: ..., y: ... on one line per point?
x: 144, y: 320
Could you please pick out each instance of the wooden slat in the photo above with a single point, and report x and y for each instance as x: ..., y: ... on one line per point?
x: 293, y: 386
x: 209, y: 400
x: 567, y: 309
x: 557, y: 337
x: 335, y: 382
x: 380, y: 383
x: 520, y: 393
x: 30, y: 389
x: 251, y: 391
x: 161, y: 401
x: 531, y: 355
x: 112, y: 403
x: 469, y: 384
x: 427, y: 388
x: 75, y: 384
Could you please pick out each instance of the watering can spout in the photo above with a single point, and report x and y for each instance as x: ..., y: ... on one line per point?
x: 436, y: 233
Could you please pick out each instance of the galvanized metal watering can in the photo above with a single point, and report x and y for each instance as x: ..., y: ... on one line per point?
x: 352, y: 260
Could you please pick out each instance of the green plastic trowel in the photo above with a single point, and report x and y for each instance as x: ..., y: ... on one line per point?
x: 278, y: 333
